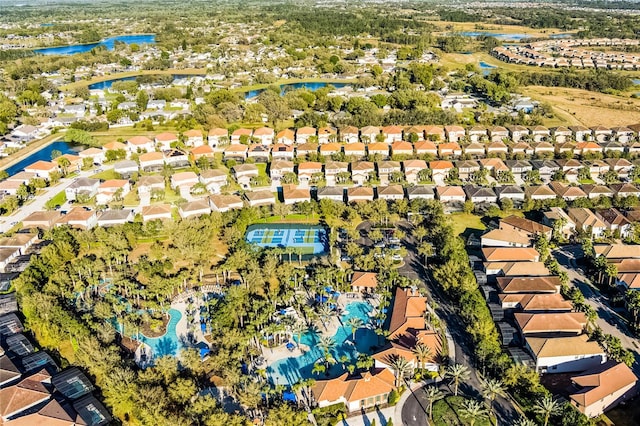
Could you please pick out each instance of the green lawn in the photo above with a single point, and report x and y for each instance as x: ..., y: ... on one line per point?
x: 106, y: 175
x: 446, y: 412
x: 463, y: 221
x: 59, y: 199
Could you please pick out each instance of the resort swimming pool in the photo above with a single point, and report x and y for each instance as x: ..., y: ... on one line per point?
x: 289, y: 370
x: 308, y: 238
x: 169, y: 343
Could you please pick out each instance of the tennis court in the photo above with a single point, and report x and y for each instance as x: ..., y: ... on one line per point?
x: 309, y: 239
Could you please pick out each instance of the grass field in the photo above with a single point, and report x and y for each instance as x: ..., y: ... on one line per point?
x: 106, y: 175
x: 575, y: 106
x: 59, y: 199
x: 449, y: 27
x: 463, y: 221
x: 447, y: 412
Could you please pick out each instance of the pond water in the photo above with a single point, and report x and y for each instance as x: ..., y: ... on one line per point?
x: 562, y: 35
x: 44, y: 154
x: 102, y: 85
x: 486, y: 68
x: 636, y: 81
x: 312, y: 86
x: 289, y: 370
x: 72, y: 49
x: 496, y: 35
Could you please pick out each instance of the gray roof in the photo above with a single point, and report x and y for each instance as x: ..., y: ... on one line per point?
x: 92, y: 411
x: 10, y: 324
x: 72, y: 383
x: 111, y: 215
x: 419, y: 190
x: 8, y: 303
x: 125, y: 164
x: 331, y: 191
x: 83, y: 182
x: 508, y: 189
x: 37, y: 361
x: 18, y: 344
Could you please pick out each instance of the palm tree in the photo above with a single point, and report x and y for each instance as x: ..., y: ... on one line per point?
x: 355, y: 323
x: 523, y: 421
x: 433, y: 394
x: 298, y: 329
x: 318, y: 368
x: 473, y: 410
x: 400, y: 367
x: 457, y: 373
x: 325, y: 313
x: 325, y: 344
x: 547, y: 407
x: 422, y: 353
x: 491, y: 389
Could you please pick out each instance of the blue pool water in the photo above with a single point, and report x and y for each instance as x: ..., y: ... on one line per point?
x: 290, y: 370
x: 107, y: 42
x: 44, y: 154
x: 313, y: 86
x: 169, y: 343
x: 307, y: 237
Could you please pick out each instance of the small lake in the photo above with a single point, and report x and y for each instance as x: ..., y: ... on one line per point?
x: 72, y: 49
x: 44, y: 154
x: 636, y: 81
x: 562, y: 35
x: 486, y: 68
x: 496, y: 35
x: 102, y: 85
x: 312, y: 86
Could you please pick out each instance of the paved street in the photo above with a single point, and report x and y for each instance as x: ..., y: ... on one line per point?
x: 414, y: 410
x: 38, y: 203
x: 608, y: 319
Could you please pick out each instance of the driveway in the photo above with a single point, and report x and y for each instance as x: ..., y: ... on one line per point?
x: 609, y: 320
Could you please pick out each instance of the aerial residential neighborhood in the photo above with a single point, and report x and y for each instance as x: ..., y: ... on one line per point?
x: 288, y: 214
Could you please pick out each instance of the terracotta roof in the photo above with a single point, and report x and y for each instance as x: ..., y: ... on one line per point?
x: 306, y: 131
x: 369, y: 130
x: 52, y: 414
x: 355, y: 388
x: 113, y: 183
x: 193, y: 133
x: 408, y: 310
x: 450, y: 191
x: 390, y: 190
x: 440, y: 165
x: 286, y: 134
x: 362, y: 166
x: 414, y: 164
x: 508, y: 235
x: 631, y: 279
x: 493, y: 254
x: 392, y: 130
x: 518, y: 268
x: 242, y: 132
x: 571, y: 322
x: 526, y: 225
x: 330, y: 147
x: 537, y: 301
x: 354, y: 147
x: 27, y: 392
x: 139, y: 140
x: 377, y: 146
x: 263, y: 131
x: 236, y: 148
x: 543, y: 347
x: 202, y: 150
x: 291, y: 192
x: 349, y: 130
x: 114, y: 146
x: 548, y: 284
x: 364, y: 279
x: 197, y: 205
x: 156, y: 209
x: 602, y: 381
x: 42, y: 165
x: 310, y: 165
x: 360, y: 191
x: 218, y: 132
x: 422, y: 146
x: 151, y: 156
x: 326, y: 131
x: 166, y: 137
x: 617, y: 251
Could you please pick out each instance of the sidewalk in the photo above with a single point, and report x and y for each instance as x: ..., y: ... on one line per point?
x: 379, y: 416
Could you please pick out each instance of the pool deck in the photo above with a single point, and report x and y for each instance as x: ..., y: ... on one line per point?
x: 273, y: 355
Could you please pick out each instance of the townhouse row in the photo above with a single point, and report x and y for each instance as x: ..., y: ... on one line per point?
x: 538, y: 326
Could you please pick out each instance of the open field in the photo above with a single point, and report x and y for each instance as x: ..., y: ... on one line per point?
x: 587, y: 108
x: 466, y: 221
x: 446, y: 27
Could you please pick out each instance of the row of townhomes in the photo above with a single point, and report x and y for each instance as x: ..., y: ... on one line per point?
x: 574, y: 53
x: 407, y: 328
x: 33, y: 388
x: 538, y: 326
x: 453, y: 133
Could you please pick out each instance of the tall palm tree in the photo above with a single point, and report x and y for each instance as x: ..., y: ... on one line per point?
x: 422, y: 353
x: 457, y: 373
x: 355, y: 323
x: 325, y: 313
x: 523, y: 421
x: 298, y: 329
x: 491, y: 389
x: 326, y: 343
x: 547, y: 407
x: 432, y: 394
x: 400, y: 367
x: 473, y: 410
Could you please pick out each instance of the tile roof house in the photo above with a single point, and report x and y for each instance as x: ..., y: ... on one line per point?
x: 264, y: 135
x: 193, y: 138
x: 224, y: 203
x: 616, y: 222
x: 369, y: 134
x: 420, y: 191
x: 480, y: 194
x: 363, y: 281
x: 519, y: 285
x: 259, y: 198
x: 28, y: 393
x: 279, y: 168
x: 587, y: 221
x: 392, y: 134
x: 327, y: 134
x: 151, y: 161
x: 391, y: 192
x: 356, y: 392
x: 240, y: 135
x: 217, y: 136
x: 526, y: 226
x: 42, y: 169
x: 359, y: 193
x: 331, y: 193
x: 259, y: 153
x: 349, y: 134
x: 140, y: 144
x: 195, y: 208
x: 535, y: 302
x: 539, y: 192
x: 9, y: 372
x: 303, y: 134
x: 79, y: 217
x: 41, y: 219
x: 292, y: 194
x: 516, y: 269
x: 565, y: 354
x: 401, y: 148
x: 356, y: 150
x: 156, y: 212
x: 201, y: 151
x: 551, y: 324
x: 164, y: 140
x: 236, y: 152
x: 505, y: 238
x: 115, y: 217
x: 281, y: 151
x: 510, y: 254
x: 425, y: 148
x: 111, y: 188
x: 286, y: 137
x: 597, y: 390
x: 380, y: 149
x: 85, y: 187
x: 512, y: 192
x: 450, y: 194
x: 329, y: 149
x: 361, y: 171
